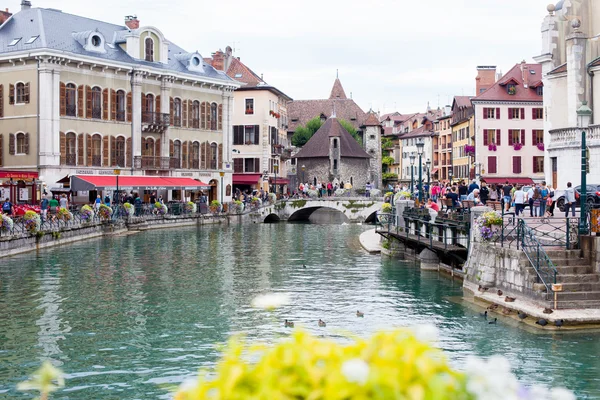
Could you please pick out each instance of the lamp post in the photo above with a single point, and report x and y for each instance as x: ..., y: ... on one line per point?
x: 303, y: 168
x: 412, y: 179
x: 275, y: 168
x: 428, y: 164
x: 222, y: 174
x: 420, y: 145
x: 584, y: 115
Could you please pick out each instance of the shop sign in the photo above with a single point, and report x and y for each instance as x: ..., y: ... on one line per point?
x: 187, y: 174
x: 18, y: 175
x: 84, y: 172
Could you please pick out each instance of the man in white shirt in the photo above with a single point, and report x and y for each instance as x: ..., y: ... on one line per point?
x: 519, y: 199
x: 529, y: 199
x: 569, y: 200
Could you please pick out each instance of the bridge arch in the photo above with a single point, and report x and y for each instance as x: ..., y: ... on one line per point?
x: 304, y: 214
x: 271, y: 218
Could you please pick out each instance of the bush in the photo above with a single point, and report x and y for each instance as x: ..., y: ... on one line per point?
x: 389, y: 176
x: 190, y: 207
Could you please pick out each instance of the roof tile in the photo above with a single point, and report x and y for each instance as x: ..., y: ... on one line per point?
x: 318, y: 145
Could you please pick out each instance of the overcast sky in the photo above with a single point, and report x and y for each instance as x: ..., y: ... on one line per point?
x: 391, y: 54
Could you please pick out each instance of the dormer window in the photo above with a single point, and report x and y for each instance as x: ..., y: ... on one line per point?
x: 96, y: 41
x: 539, y: 90
x: 511, y: 88
x: 195, y: 61
x: 149, y: 49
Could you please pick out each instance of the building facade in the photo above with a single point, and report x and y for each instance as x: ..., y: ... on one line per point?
x: 462, y: 136
x: 509, y: 120
x: 442, y: 146
x: 84, y: 97
x: 261, y: 153
x: 424, y: 134
x: 570, y: 60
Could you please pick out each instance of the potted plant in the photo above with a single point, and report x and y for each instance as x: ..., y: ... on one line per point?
x: 512, y: 90
x: 272, y: 198
x: 256, y: 202
x: 128, y: 210
x: 6, y: 223
x: 190, y: 207
x: 492, y: 147
x: 517, y: 146
x: 215, y: 206
x: 87, y: 213
x: 105, y: 212
x: 470, y: 150
x: 540, y: 146
x: 488, y: 225
x: 237, y: 207
x: 64, y: 215
x: 32, y: 221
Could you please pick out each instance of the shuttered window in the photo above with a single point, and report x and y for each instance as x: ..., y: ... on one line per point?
x: 149, y: 49
x: 492, y: 165
x: 213, y: 117
x: 516, y: 164
x: 21, y: 95
x: 538, y: 164
x: 220, y: 124
x: 1, y: 150
x: 238, y: 165
x: 1, y: 101
x: 70, y: 100
x: 129, y: 99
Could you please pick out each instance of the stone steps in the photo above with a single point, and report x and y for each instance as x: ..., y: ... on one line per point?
x: 577, y: 296
x: 569, y: 261
x: 578, y: 278
x: 574, y: 270
x: 579, y: 304
x: 577, y: 287
x: 563, y: 253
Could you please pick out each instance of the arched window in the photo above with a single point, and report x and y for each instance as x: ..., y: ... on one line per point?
x: 96, y: 102
x: 21, y: 144
x: 120, y: 151
x: 21, y: 94
x: 148, y: 109
x: 213, y: 117
x: 97, y: 151
x: 150, y: 103
x: 149, y: 147
x: 213, y: 156
x: 71, y: 148
x: 121, y: 106
x: 149, y: 48
x: 71, y: 100
x: 176, y: 154
x: 196, y: 114
x: 176, y: 112
x: 196, y: 155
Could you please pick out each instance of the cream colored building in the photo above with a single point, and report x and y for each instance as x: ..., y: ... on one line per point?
x: 84, y: 97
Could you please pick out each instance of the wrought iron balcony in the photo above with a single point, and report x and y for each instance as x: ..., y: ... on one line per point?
x: 121, y: 116
x: 276, y: 149
x: 153, y: 122
x: 120, y: 161
x: 71, y: 110
x: 175, y: 162
x: 71, y: 159
x: 195, y: 164
x: 97, y: 112
x: 176, y: 120
x: 97, y: 161
x: 151, y: 162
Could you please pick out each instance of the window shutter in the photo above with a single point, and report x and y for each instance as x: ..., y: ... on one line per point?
x: 208, y: 116
x: 105, y: 151
x: 113, y: 105
x: 63, y: 100
x: 485, y: 113
x: 128, y: 151
x: 498, y: 137
x: 105, y: 104
x: 26, y: 94
x: 171, y: 110
x: 220, y: 157
x: 171, y: 148
x: 88, y: 140
x: 80, y: 149
x: 1, y: 150
x: 220, y: 117
x: 129, y: 106
x: 256, y: 164
x: 63, y: 147
x: 190, y: 114
x: 523, y: 137
x: 522, y: 113
x: 1, y: 101
x: 11, y: 144
x: 26, y: 144
x: 498, y: 113
x: 11, y: 94
x: 113, y: 151
x: 80, y: 101
x: 203, y: 156
x: 157, y: 107
x: 88, y: 101
x: 533, y: 114
x: 510, y: 137
x: 492, y: 164
x: 203, y: 115
x: 485, y: 137
x: 510, y: 113
x: 535, y: 171
x: 157, y: 147
x: 184, y: 154
x: 533, y: 138
x: 256, y: 133
x: 144, y: 108
x: 185, y: 112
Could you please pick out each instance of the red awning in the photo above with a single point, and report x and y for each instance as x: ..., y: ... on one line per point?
x: 433, y: 171
x: 279, y: 181
x: 246, y: 179
x: 19, y: 174
x: 511, y: 180
x: 109, y: 182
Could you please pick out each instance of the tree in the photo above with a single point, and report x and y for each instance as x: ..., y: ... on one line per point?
x: 304, y: 133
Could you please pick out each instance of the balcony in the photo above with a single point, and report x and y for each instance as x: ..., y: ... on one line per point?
x: 151, y: 162
x: 195, y: 164
x: 71, y: 110
x: 120, y: 161
x: 571, y: 138
x: 71, y: 160
x: 174, y: 163
x: 121, y: 116
x: 196, y: 123
x: 97, y: 112
x: 153, y: 122
x: 276, y: 149
x: 213, y: 164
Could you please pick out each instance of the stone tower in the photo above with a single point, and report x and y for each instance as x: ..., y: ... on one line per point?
x: 372, y: 144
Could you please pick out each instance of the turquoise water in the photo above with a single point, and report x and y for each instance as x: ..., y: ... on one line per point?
x: 123, y: 316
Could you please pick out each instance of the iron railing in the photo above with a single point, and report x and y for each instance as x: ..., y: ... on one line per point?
x: 154, y: 118
x: 537, y: 256
x: 121, y: 115
x: 71, y: 159
x: 550, y: 232
x: 96, y: 112
x: 71, y: 110
x: 97, y: 161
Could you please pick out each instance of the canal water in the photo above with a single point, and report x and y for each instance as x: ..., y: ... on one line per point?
x: 124, y: 316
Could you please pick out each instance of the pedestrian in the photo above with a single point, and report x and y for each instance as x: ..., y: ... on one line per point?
x: 462, y: 190
x: 7, y: 207
x: 44, y: 208
x: 368, y: 189
x: 484, y: 192
x: 519, y: 199
x: 544, y: 199
x: 53, y: 206
x: 507, y: 195
x: 537, y: 202
x: 529, y: 199
x: 493, y: 196
x: 64, y: 202
x: 153, y: 198
x: 473, y: 186
x: 454, y: 196
x: 569, y: 200
x: 97, y: 202
x: 137, y: 204
x: 329, y: 189
x: 107, y: 200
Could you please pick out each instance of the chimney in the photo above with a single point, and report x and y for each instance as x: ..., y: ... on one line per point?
x: 525, y: 74
x: 486, y: 77
x: 132, y: 22
x: 4, y: 15
x: 25, y: 5
x: 218, y: 60
x: 227, y: 58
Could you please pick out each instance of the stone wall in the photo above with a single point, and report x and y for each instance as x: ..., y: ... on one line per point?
x: 353, y: 170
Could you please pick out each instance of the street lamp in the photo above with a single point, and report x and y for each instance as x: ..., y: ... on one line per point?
x: 584, y: 116
x: 428, y: 163
x: 303, y: 168
x: 412, y: 179
x: 420, y: 146
x: 275, y: 168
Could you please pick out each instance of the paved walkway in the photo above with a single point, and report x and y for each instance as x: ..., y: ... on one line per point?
x: 370, y: 241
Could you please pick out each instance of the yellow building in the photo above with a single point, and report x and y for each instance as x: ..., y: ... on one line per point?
x: 462, y: 135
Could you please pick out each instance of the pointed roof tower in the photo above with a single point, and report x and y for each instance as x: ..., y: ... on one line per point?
x: 372, y: 119
x: 318, y: 144
x: 337, y: 92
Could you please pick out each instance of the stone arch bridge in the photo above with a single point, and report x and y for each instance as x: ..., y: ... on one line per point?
x: 356, y: 209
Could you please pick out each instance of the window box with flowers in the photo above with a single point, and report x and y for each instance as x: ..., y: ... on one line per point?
x: 492, y: 147
x: 517, y: 146
x: 540, y: 146
x: 470, y: 150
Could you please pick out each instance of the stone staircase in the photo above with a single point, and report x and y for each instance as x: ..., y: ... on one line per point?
x: 581, y: 284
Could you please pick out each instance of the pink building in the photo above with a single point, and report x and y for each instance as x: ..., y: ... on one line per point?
x: 509, y: 127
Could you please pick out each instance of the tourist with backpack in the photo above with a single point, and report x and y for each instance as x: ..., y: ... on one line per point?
x: 545, y: 192
x: 7, y: 207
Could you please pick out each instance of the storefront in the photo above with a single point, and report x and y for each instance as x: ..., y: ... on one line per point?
x: 247, y: 182
x: 88, y: 187
x: 21, y: 187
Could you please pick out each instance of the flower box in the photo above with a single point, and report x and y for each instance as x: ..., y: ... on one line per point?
x: 517, y: 146
x: 540, y: 146
x: 492, y: 147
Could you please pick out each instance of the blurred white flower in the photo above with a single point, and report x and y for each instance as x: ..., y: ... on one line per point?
x: 561, y: 394
x: 356, y: 370
x: 270, y: 301
x: 427, y: 333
